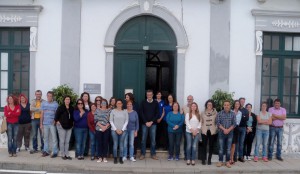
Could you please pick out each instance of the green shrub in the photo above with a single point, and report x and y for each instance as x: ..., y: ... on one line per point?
x: 220, y: 96
x: 61, y: 91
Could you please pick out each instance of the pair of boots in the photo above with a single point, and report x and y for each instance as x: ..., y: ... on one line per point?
x: 116, y: 160
x: 208, y: 161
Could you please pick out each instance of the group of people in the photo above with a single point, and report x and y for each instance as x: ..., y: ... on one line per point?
x: 101, y: 122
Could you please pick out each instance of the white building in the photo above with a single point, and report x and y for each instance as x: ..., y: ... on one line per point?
x: 250, y: 47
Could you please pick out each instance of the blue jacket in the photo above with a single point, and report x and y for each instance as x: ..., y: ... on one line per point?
x: 174, y: 119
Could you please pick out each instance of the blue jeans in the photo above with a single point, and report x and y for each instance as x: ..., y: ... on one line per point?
x: 93, y: 143
x: 50, y: 129
x: 35, y: 127
x: 80, y: 138
x: 118, y: 141
x: 12, y: 132
x: 262, y: 137
x: 174, y: 140
x: 224, y: 141
x: 241, y: 139
x: 191, y: 146
x: 278, y: 133
x: 145, y: 131
x: 130, y: 136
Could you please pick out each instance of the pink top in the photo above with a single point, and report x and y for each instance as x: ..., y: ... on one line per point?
x: 280, y: 111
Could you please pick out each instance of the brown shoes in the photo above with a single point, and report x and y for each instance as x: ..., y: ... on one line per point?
x: 154, y: 157
x: 142, y: 157
x: 219, y: 164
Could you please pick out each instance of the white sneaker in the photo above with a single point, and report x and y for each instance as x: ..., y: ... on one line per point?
x: 132, y: 159
x: 104, y: 160
x: 99, y: 160
x: 249, y: 158
x: 18, y: 150
x: 124, y: 159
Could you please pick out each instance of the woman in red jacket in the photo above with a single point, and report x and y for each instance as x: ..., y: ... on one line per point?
x: 12, y: 112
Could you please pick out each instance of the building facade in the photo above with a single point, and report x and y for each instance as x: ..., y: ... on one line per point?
x: 251, y: 48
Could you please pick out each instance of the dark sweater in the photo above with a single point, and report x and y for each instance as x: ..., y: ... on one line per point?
x: 149, y: 111
x: 245, y: 117
x: 25, y: 117
x: 65, y: 116
x: 80, y: 122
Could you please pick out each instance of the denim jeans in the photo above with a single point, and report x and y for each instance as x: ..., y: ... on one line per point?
x: 129, y: 136
x: 145, y: 131
x: 35, y: 127
x: 191, y: 146
x: 278, y: 133
x: 118, y: 141
x: 80, y: 138
x: 240, y: 145
x: 50, y: 129
x: 174, y: 140
x: 12, y: 132
x: 262, y: 137
x: 225, y: 141
x: 102, y: 141
x: 93, y: 145
x: 64, y: 136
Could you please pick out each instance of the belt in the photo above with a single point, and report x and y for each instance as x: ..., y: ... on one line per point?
x: 276, y: 126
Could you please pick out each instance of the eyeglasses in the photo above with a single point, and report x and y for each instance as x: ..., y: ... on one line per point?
x: 79, y: 103
x: 98, y: 100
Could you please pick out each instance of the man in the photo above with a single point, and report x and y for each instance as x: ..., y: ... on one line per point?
x: 276, y: 129
x: 186, y: 110
x: 48, y: 124
x: 149, y: 113
x: 242, y: 130
x: 226, y: 122
x: 35, y: 108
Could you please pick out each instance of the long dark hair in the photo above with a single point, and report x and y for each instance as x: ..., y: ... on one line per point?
x: 76, y: 107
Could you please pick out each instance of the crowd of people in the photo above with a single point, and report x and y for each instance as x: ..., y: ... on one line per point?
x: 118, y: 127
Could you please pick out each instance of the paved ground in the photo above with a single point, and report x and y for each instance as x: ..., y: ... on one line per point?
x: 35, y: 162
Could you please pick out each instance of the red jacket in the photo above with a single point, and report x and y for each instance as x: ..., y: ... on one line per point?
x: 12, y: 116
x: 91, y: 123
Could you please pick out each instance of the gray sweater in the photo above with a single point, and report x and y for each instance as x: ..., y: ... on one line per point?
x: 118, y: 119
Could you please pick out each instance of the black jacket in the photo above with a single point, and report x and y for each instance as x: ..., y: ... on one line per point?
x: 65, y: 116
x: 245, y: 117
x: 149, y: 111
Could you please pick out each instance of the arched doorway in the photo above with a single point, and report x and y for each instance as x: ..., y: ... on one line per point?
x: 144, y: 57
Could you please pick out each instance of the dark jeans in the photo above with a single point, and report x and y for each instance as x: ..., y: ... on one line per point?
x: 102, y: 141
x: 12, y: 131
x: 225, y: 142
x: 239, y: 149
x: 152, y: 132
x: 35, y: 127
x: 248, y: 143
x: 210, y: 139
x: 162, y: 135
x: 174, y: 139
x: 80, y: 138
x: 278, y: 133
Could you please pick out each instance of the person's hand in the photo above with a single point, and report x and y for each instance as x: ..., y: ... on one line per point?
x: 158, y: 120
x: 135, y: 133
x: 41, y: 126
x: 226, y: 131
x: 175, y: 127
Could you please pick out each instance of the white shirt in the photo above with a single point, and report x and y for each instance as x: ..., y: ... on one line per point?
x: 192, y: 123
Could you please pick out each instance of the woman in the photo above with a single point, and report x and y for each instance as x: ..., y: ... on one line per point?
x: 92, y: 133
x: 130, y: 97
x: 85, y: 96
x: 64, y: 124
x: 264, y: 119
x: 250, y: 132
x: 24, y: 128
x: 12, y: 112
x: 175, y: 121
x: 208, y: 130
x: 98, y: 101
x: 80, y: 128
x: 101, y: 121
x: 118, y: 120
x: 112, y: 103
x: 238, y: 114
x: 193, y: 125
x: 132, y: 131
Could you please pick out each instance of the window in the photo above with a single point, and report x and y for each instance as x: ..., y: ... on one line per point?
x: 14, y: 62
x: 281, y: 70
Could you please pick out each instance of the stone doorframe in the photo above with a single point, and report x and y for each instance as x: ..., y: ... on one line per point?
x: 146, y: 7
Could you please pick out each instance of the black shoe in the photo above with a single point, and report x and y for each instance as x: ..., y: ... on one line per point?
x: 92, y: 158
x: 33, y: 151
x: 121, y: 160
x: 270, y: 158
x: 241, y: 160
x: 53, y: 155
x: 203, y: 162
x: 45, y: 154
x: 115, y: 160
x: 209, y: 162
x: 69, y: 158
x: 64, y: 157
x: 279, y: 159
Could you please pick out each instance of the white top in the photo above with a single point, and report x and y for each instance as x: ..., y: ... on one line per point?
x: 192, y: 123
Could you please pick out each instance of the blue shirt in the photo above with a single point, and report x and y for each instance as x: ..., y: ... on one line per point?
x: 226, y: 119
x: 49, y: 109
x: 238, y: 117
x: 133, y: 122
x: 167, y: 109
x: 173, y: 120
x: 160, y: 107
x: 80, y: 122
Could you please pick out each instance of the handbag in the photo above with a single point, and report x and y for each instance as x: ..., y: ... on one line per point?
x: 3, y: 126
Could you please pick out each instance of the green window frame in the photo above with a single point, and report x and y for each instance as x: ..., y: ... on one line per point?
x: 14, y: 62
x: 280, y: 76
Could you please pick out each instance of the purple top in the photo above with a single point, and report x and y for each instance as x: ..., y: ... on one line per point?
x: 280, y: 111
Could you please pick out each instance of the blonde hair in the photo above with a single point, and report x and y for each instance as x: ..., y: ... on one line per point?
x: 197, y: 113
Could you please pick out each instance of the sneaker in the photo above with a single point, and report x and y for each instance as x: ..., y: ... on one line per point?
x: 64, y: 157
x: 228, y: 165
x: 193, y: 162
x: 104, y: 160
x: 249, y: 158
x: 177, y: 158
x: 99, y: 160
x: 124, y: 158
x: 219, y: 164
x: 279, y: 159
x: 154, y: 157
x: 132, y: 159
x: 69, y: 158
x: 170, y: 158
x: 92, y: 158
x: 188, y: 162
x: 18, y: 150
x: 270, y: 158
x: 27, y: 149
x: 121, y: 160
x: 255, y: 159
x: 10, y: 155
x: 265, y: 159
x: 142, y: 157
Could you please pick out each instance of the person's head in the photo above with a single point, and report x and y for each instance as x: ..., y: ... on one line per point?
x: 104, y: 104
x: 176, y: 107
x: 149, y: 94
x: 93, y: 107
x: 12, y: 100
x: 119, y: 104
x: 249, y: 107
x: 85, y: 96
x: 50, y: 96
x: 190, y: 100
x: 226, y: 105
x: 236, y: 105
x: 38, y: 94
x: 209, y: 104
x: 277, y: 103
x: 23, y: 98
x: 158, y: 95
x: 242, y: 101
x: 170, y: 99
x: 264, y: 106
x: 129, y: 96
x: 67, y: 100
x: 79, y: 104
x: 98, y: 100
x: 194, y: 110
x: 112, y: 102
x: 129, y: 105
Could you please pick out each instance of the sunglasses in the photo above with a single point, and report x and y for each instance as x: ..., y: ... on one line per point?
x: 98, y: 100
x: 79, y: 103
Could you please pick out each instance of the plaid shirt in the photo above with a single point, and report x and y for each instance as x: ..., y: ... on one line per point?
x: 226, y: 119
